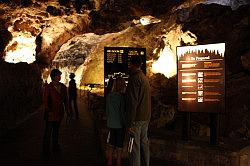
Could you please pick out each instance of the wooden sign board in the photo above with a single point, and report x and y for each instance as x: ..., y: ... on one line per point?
x: 201, y: 78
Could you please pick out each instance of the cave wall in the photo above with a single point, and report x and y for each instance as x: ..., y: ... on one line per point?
x: 233, y: 3
x: 210, y: 23
x: 20, y: 93
x: 215, y: 24
x: 60, y: 31
x: 21, y: 83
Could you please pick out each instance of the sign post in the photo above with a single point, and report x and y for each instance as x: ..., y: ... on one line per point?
x: 186, y: 129
x: 201, y: 81
x: 213, y: 128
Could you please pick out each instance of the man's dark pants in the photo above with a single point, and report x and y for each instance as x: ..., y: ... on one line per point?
x: 51, y: 128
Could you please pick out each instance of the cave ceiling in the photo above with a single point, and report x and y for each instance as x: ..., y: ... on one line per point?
x: 50, y: 33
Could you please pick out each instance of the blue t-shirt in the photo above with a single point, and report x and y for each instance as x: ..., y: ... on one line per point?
x: 115, y: 110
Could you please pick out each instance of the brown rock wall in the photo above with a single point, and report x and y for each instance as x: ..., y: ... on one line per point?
x: 20, y: 93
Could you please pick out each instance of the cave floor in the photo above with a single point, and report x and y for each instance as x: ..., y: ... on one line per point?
x: 79, y: 141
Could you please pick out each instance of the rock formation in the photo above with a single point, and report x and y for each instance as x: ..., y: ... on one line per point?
x: 74, y: 41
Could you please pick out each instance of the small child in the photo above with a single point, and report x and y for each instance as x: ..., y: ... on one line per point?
x: 115, y: 109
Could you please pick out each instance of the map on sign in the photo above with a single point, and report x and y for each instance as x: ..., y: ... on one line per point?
x: 117, y: 61
x: 201, y: 78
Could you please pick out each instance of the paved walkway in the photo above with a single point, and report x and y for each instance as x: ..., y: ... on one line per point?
x: 23, y: 145
x: 79, y: 141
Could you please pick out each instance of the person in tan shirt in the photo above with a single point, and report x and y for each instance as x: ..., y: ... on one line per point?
x: 138, y: 107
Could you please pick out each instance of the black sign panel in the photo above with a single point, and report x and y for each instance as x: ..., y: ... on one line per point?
x: 117, y: 60
x: 201, y: 78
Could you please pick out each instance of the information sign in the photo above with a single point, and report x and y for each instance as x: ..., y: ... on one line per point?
x: 201, y: 78
x: 117, y: 61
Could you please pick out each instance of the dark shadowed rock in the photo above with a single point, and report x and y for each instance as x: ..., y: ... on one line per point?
x: 2, y: 24
x: 215, y: 23
x: 245, y: 59
x: 20, y: 87
x: 5, y: 37
x: 2, y: 12
x: 54, y: 11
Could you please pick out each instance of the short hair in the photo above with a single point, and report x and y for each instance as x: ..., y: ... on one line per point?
x: 72, y: 75
x: 54, y: 73
x: 136, y: 60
